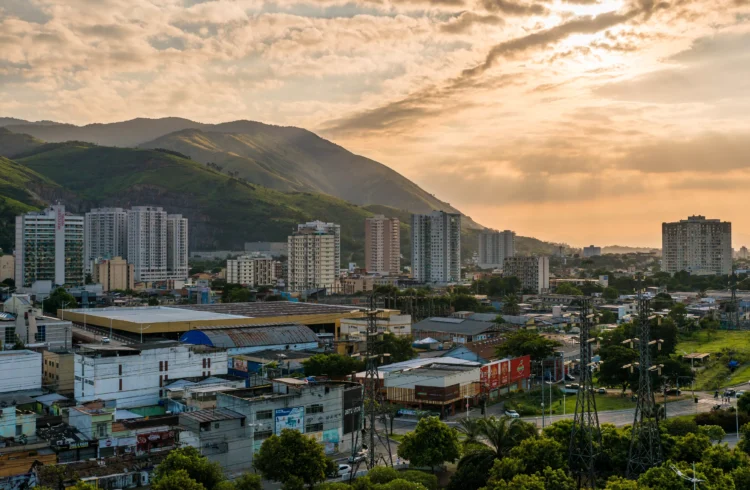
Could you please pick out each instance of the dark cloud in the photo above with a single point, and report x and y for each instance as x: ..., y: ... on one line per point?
x: 466, y: 20
x: 511, y: 7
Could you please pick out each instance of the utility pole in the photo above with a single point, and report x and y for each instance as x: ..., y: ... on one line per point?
x: 645, y: 442
x: 585, y: 437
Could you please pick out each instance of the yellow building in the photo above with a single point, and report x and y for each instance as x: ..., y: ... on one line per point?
x: 113, y: 274
x: 7, y: 267
x: 58, y: 371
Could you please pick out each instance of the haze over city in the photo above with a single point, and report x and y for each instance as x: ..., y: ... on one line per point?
x: 581, y: 121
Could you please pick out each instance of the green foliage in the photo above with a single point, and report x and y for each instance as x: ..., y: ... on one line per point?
x: 713, y: 432
x: 399, y: 484
x: 662, y: 301
x: 175, y: 480
x: 428, y: 481
x: 292, y: 457
x: 726, y: 419
x: 332, y: 365
x: 473, y: 470
x: 680, y: 426
x: 691, y: 447
x: 248, y: 481
x: 382, y: 474
x: 504, y: 433
x: 620, y: 483
x: 497, y: 286
x: 510, y: 305
x: 399, y: 347
x: 610, y: 294
x: 527, y: 342
x: 568, y: 289
x: 519, y: 482
x: 721, y: 457
x: 431, y: 444
x: 240, y: 295
x: 153, y: 301
x: 743, y: 403
x: 540, y: 453
x: 506, y: 469
x: 58, y: 299
x: 195, y: 466
x: 81, y: 485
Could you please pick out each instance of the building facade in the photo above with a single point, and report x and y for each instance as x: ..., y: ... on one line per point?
x: 58, y: 371
x: 495, y: 247
x: 221, y: 435
x: 592, y: 251
x: 312, y: 259
x: 436, y: 247
x: 49, y: 247
x: 177, y: 247
x: 113, y: 274
x: 106, y: 234
x: 697, y: 245
x: 253, y: 270
x: 329, y: 229
x: 147, y: 240
x: 533, y: 272
x: 7, y: 267
x: 383, y: 245
x: 20, y: 370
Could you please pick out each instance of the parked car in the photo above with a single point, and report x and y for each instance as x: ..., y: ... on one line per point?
x: 356, y: 458
x: 105, y: 340
x: 602, y: 391
x: 739, y: 393
x: 674, y: 391
x: 344, y: 469
x: 730, y: 393
x: 512, y: 414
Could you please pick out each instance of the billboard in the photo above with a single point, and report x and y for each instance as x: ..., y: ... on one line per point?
x: 352, y: 409
x: 505, y: 373
x: 520, y: 368
x: 494, y: 374
x: 289, y: 418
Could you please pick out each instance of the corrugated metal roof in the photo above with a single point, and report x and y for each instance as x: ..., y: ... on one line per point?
x: 213, y: 415
x: 258, y: 336
x: 271, y: 308
x: 468, y: 327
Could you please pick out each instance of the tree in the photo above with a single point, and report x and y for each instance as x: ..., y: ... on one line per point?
x: 389, y: 412
x: 539, y: 453
x: 332, y: 365
x: 611, y: 373
x: 196, y: 466
x: 620, y: 483
x: 471, y: 428
x: 743, y: 403
x: 503, y: 434
x: 519, y: 482
x: 662, y: 301
x: 610, y: 294
x: 431, y: 444
x: 59, y: 299
x: 678, y: 314
x: 510, y: 306
x: 176, y: 480
x: 527, y: 342
x: 399, y: 347
x: 248, y: 481
x: 568, y: 289
x: 240, y: 295
x: 473, y: 470
x: 153, y: 301
x: 691, y: 447
x: 290, y: 456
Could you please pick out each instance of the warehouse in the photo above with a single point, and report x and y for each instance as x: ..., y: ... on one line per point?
x: 244, y: 339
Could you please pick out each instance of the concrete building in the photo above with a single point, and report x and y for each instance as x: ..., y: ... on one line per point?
x: 592, y: 251
x: 329, y: 229
x: 221, y: 435
x: 147, y: 243
x: 114, y: 273
x: 312, y: 261
x: 136, y: 375
x: 495, y: 247
x: 247, y: 339
x: 7, y: 267
x: 399, y: 325
x: 32, y: 327
x: 741, y: 254
x: 177, y: 247
x: 697, y: 245
x: 273, y: 249
x: 17, y: 419
x: 20, y: 370
x: 329, y: 411
x: 253, y: 271
x: 58, y: 371
x: 106, y: 234
x: 93, y: 420
x: 354, y: 284
x: 533, y: 272
x: 456, y: 330
x: 436, y: 247
x: 49, y: 247
x: 383, y: 245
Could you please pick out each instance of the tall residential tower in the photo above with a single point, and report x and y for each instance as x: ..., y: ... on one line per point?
x: 147, y: 242
x: 382, y: 245
x: 106, y: 234
x: 312, y: 260
x: 436, y: 247
x: 177, y: 246
x: 697, y: 245
x: 495, y: 247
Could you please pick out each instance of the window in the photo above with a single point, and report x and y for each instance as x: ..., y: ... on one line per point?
x: 10, y: 335
x: 209, y: 362
x: 161, y: 366
x: 314, y: 427
x: 166, y: 365
x: 120, y: 369
x: 120, y: 385
x: 314, y: 409
x: 101, y: 430
x: 204, y: 363
x: 216, y: 425
x: 41, y: 335
x: 261, y: 435
x: 161, y: 381
x: 264, y: 415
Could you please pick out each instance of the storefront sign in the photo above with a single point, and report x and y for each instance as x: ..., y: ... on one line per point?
x: 520, y: 368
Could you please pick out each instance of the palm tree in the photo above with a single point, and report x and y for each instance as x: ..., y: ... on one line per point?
x: 472, y: 429
x: 504, y: 433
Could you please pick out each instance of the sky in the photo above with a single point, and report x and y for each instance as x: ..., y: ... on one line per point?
x: 581, y: 121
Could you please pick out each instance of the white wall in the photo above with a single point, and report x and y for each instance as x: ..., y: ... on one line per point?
x: 408, y: 380
x: 20, y: 370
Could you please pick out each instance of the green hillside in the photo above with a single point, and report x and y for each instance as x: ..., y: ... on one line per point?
x: 12, y: 144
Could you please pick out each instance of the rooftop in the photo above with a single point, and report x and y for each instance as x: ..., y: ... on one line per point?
x: 453, y: 325
x: 272, y: 309
x: 212, y: 415
x: 440, y: 370
x: 9, y: 354
x: 251, y: 335
x: 153, y: 314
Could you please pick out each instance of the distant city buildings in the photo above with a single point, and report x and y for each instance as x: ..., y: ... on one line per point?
x: 49, y: 247
x: 383, y: 245
x: 314, y: 256
x: 742, y: 254
x: 436, y: 247
x: 177, y: 246
x: 533, y: 272
x: 274, y: 249
x: 697, y: 245
x: 105, y: 234
x: 253, y: 270
x: 592, y: 251
x: 495, y: 247
x: 113, y: 274
x: 157, y: 244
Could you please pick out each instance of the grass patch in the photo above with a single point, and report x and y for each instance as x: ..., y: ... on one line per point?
x: 702, y: 341
x: 723, y: 346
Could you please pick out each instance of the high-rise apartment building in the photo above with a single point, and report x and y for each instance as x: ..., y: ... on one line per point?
x: 742, y: 254
x: 106, y: 234
x: 436, y: 247
x: 253, y: 270
x: 383, y: 245
x: 112, y: 274
x: 147, y: 242
x: 328, y: 228
x: 49, y: 247
x: 177, y: 246
x: 592, y: 251
x: 312, y: 258
x: 533, y: 272
x: 697, y: 245
x: 495, y: 247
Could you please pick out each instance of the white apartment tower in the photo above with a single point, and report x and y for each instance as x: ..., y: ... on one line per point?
x: 147, y: 243
x: 328, y: 228
x: 697, y: 245
x: 383, y: 245
x: 49, y: 247
x: 436, y: 247
x: 533, y: 272
x: 495, y: 247
x: 106, y: 234
x: 177, y: 246
x: 253, y: 270
x: 312, y: 258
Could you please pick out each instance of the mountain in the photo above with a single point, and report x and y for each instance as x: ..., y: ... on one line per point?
x: 281, y: 158
x: 14, y: 143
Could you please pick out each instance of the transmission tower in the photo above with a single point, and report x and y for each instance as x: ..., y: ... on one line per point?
x: 585, y: 437
x: 645, y: 442
x: 733, y: 315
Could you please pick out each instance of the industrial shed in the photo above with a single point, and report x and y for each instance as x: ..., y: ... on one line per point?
x: 244, y: 339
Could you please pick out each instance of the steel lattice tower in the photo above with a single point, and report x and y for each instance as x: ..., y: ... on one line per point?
x: 585, y: 437
x: 645, y: 442
x: 733, y: 316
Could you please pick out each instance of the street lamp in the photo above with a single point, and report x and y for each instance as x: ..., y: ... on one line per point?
x: 467, y: 405
x: 692, y: 384
x: 737, y: 415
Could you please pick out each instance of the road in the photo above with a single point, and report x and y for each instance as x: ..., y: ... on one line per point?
x: 92, y: 335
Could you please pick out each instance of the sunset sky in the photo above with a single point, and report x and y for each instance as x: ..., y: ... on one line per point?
x: 581, y: 121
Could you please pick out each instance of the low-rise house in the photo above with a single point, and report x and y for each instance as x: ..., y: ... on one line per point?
x: 17, y: 418
x: 221, y: 435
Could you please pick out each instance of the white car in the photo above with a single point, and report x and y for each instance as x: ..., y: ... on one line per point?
x: 105, y: 340
x: 512, y: 414
x: 344, y: 469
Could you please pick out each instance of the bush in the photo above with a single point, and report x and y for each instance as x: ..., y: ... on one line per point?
x: 723, y: 418
x: 680, y: 427
x: 430, y: 482
x: 382, y: 474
